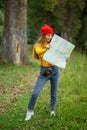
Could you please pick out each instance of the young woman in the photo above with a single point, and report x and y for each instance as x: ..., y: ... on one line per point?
x: 48, y: 71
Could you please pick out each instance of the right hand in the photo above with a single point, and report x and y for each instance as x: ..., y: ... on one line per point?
x: 48, y: 46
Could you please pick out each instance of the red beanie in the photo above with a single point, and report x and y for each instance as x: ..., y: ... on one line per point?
x: 46, y: 29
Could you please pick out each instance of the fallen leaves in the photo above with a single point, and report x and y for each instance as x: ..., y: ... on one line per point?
x: 12, y: 87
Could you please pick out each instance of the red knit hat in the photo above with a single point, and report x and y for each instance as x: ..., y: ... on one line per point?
x: 46, y: 29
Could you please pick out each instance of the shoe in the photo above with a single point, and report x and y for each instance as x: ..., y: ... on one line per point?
x: 52, y: 113
x: 29, y: 115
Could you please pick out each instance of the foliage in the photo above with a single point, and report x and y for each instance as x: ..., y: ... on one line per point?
x: 1, y: 23
x: 17, y: 82
x: 35, y: 19
x: 49, y: 5
x: 2, y: 10
x: 2, y: 4
x: 65, y: 16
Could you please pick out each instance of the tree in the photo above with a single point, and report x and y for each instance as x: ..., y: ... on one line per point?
x: 2, y: 3
x: 14, y: 41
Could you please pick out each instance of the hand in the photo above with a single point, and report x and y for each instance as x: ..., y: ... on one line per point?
x: 48, y: 46
x: 68, y: 59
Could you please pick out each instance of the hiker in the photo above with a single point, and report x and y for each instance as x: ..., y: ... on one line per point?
x: 48, y: 71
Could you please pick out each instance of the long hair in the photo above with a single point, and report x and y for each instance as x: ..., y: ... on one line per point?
x: 40, y: 41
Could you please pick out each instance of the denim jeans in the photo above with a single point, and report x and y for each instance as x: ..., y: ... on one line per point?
x: 41, y: 81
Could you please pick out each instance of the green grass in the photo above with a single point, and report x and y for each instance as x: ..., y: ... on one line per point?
x: 16, y: 85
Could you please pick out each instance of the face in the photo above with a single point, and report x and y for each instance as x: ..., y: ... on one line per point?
x: 48, y: 37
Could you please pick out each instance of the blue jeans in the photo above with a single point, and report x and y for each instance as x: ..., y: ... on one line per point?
x: 41, y: 81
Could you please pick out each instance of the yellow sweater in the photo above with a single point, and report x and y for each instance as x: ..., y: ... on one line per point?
x: 39, y: 52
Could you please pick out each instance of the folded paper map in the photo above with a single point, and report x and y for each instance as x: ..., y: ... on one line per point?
x: 60, y: 49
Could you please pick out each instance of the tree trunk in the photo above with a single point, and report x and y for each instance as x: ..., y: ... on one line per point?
x: 14, y: 42
x: 66, y: 26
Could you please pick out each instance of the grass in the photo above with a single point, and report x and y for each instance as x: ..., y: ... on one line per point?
x: 16, y: 84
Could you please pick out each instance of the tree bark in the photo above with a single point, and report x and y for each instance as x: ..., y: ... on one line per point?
x: 14, y: 41
x: 66, y: 26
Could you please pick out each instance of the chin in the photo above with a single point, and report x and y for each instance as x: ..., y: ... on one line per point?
x: 49, y: 41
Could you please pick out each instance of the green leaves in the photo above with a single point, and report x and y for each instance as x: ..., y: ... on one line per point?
x: 1, y: 22
x: 81, y: 4
x: 49, y: 5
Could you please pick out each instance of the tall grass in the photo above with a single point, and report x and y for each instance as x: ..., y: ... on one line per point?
x: 17, y: 82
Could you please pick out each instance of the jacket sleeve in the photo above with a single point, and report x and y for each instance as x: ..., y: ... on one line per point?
x: 40, y: 50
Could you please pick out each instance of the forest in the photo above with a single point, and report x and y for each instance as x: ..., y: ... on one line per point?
x: 67, y: 17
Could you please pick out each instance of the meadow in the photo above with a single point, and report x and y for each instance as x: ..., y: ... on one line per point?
x: 16, y: 85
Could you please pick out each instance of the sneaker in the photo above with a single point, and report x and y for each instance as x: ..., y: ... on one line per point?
x: 29, y: 115
x: 52, y: 113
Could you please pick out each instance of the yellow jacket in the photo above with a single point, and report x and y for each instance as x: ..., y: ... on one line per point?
x: 39, y: 52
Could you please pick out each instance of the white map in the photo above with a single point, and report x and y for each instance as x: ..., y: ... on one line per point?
x: 60, y: 49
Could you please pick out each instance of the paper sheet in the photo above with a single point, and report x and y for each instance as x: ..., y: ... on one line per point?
x: 60, y: 49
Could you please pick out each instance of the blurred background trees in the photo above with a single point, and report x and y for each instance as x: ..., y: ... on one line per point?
x: 67, y: 17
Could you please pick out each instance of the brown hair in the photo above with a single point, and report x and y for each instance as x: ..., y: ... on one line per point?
x: 41, y: 40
